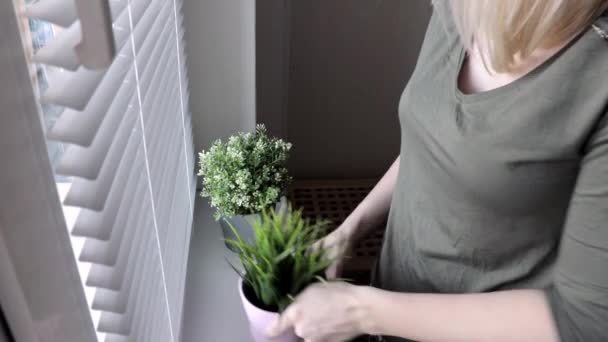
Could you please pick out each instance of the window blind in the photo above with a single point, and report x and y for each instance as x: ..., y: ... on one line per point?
x: 129, y: 158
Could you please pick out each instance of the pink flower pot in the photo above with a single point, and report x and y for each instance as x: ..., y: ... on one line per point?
x: 260, y: 320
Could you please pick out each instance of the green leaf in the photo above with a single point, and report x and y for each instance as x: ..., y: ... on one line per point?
x: 244, y: 174
x: 279, y: 263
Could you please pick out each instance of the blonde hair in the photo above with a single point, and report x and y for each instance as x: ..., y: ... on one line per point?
x: 509, y: 31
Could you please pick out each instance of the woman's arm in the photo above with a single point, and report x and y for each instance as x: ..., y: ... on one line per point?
x: 522, y: 315
x: 372, y: 211
x: 337, y: 312
x: 367, y: 216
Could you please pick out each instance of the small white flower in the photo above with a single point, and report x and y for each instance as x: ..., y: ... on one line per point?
x: 227, y: 180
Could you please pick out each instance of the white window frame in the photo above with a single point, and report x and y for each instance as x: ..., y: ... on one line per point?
x: 40, y: 289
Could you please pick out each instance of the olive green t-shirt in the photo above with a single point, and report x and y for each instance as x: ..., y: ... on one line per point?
x: 508, y: 188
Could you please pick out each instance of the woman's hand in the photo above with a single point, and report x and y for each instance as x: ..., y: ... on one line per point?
x: 338, y: 246
x: 325, y: 312
x: 368, y: 215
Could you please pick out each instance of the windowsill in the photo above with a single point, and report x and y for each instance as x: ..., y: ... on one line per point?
x: 212, y: 307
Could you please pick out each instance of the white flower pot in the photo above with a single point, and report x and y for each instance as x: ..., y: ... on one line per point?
x: 260, y: 319
x: 243, y: 224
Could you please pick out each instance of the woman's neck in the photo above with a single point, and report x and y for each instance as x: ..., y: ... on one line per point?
x: 476, y: 78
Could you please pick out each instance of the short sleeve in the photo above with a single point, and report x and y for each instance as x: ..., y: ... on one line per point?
x: 442, y: 15
x: 579, y: 295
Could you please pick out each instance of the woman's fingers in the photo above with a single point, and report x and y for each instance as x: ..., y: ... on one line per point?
x: 324, y: 340
x: 328, y: 245
x: 283, y: 323
x: 336, y: 247
x: 317, y: 246
x: 334, y: 271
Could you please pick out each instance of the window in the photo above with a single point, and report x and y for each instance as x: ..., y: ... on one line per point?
x: 40, y: 32
x: 118, y: 146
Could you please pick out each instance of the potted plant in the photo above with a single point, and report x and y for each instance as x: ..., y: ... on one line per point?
x: 278, y: 266
x: 244, y: 176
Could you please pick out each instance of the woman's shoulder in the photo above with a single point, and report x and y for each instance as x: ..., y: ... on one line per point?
x: 592, y: 50
x: 600, y: 26
x: 579, y: 85
x: 442, y: 15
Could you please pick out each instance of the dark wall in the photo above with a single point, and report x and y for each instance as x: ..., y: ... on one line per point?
x: 5, y: 334
x: 273, y: 20
x: 348, y: 64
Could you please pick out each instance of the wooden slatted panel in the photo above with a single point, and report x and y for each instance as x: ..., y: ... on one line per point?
x: 334, y: 200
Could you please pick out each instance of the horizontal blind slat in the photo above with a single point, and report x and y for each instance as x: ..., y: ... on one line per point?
x: 99, y: 225
x: 60, y: 51
x: 74, y: 89
x: 122, y: 323
x: 112, y: 277
x: 150, y: 63
x: 118, y: 301
x: 92, y: 194
x: 86, y: 162
x: 143, y: 28
x: 105, y: 252
x: 169, y: 154
x: 80, y: 127
x: 166, y: 179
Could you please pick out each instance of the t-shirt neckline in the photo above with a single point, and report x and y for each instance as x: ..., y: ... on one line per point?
x: 507, y: 88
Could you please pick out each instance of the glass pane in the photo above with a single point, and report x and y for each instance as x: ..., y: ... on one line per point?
x: 41, y: 32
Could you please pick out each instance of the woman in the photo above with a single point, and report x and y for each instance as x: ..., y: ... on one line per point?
x: 498, y: 227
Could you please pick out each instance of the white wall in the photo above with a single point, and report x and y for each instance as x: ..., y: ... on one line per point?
x: 220, y: 49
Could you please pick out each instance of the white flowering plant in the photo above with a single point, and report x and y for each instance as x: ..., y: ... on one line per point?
x: 245, y: 175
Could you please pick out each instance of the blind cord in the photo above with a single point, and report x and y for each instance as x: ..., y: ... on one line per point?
x: 147, y: 162
x: 181, y: 102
